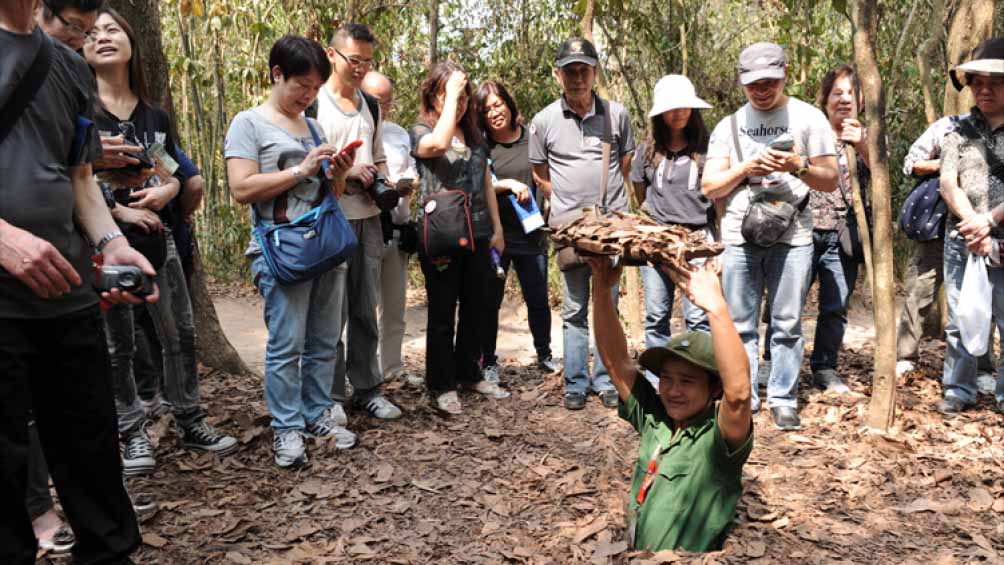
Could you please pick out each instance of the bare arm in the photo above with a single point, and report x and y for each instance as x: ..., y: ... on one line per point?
x: 926, y: 168
x: 498, y: 240
x: 640, y: 190
x: 250, y: 186
x: 191, y: 197
x: 542, y: 176
x: 626, y: 167
x: 611, y: 343
x: 823, y: 173
x: 438, y: 142
x: 721, y: 177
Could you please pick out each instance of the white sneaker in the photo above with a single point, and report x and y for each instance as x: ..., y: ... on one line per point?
x: 379, y: 407
x: 986, y: 383
x: 337, y: 413
x: 289, y: 449
x: 904, y: 367
x: 449, y: 403
x: 491, y: 390
x: 491, y: 374
x: 137, y: 453
x: 325, y: 427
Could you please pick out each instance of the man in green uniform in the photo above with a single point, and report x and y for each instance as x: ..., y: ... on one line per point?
x: 688, y: 477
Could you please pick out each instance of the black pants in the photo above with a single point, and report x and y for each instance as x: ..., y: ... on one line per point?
x: 448, y: 363
x: 58, y: 370
x: 38, y: 498
x: 147, y: 363
x: 532, y: 273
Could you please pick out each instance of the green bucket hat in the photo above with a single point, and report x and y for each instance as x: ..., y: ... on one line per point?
x: 692, y: 346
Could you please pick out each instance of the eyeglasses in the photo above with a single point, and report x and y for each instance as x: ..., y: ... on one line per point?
x: 356, y: 62
x: 77, y: 30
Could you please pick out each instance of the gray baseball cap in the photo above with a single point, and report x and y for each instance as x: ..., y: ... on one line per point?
x: 762, y: 61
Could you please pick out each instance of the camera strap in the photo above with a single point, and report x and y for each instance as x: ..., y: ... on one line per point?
x: 607, y: 141
x: 26, y: 90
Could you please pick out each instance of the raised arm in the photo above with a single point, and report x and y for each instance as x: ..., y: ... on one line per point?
x: 610, y: 340
x: 703, y: 288
x: 437, y: 143
x: 250, y: 186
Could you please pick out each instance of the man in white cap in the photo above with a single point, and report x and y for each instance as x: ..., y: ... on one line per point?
x: 566, y: 147
x: 762, y: 161
x: 972, y: 184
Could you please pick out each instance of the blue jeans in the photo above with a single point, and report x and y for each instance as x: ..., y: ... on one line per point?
x: 784, y: 271
x: 304, y: 324
x: 659, y: 291
x: 837, y: 274
x: 959, y: 379
x: 531, y: 270
x: 575, y: 326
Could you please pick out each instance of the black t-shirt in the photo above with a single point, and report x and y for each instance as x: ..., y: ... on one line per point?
x: 36, y: 194
x: 456, y: 170
x: 512, y: 161
x: 152, y: 125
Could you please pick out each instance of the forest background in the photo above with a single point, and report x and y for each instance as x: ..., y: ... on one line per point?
x: 217, y: 53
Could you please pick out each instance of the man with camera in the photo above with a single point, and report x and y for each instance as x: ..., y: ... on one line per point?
x: 762, y: 161
x: 53, y: 358
x: 399, y: 233
x: 567, y: 140
x: 347, y: 114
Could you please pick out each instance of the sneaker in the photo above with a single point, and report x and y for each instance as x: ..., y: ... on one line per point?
x: 575, y: 400
x: 786, y: 418
x: 904, y: 367
x: 155, y: 407
x: 201, y: 436
x: 289, y: 450
x: 950, y: 405
x: 491, y: 374
x: 137, y: 453
x: 144, y: 505
x: 337, y: 413
x: 488, y: 389
x: 449, y: 403
x: 610, y: 398
x: 325, y: 427
x: 414, y: 380
x: 548, y: 364
x: 379, y: 407
x: 986, y: 383
x: 829, y: 380
x: 61, y: 541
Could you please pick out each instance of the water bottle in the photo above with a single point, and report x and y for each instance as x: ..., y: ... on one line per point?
x: 497, y: 263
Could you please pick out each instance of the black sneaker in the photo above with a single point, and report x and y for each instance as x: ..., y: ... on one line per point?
x: 950, y: 405
x: 548, y: 364
x: 786, y: 418
x: 137, y: 453
x: 829, y: 380
x: 610, y: 398
x: 575, y: 400
x: 200, y: 436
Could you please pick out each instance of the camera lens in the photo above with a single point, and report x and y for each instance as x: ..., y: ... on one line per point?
x: 128, y: 281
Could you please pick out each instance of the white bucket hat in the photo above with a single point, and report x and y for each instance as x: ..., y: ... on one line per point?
x: 987, y: 59
x: 675, y: 91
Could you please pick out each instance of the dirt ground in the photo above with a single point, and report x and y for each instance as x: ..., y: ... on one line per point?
x: 525, y: 481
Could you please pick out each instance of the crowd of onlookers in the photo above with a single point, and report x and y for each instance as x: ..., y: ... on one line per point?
x: 468, y: 189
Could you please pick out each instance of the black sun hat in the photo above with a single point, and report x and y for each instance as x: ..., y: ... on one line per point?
x: 576, y: 50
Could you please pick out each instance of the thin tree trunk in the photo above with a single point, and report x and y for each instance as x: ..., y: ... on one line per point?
x: 883, y: 402
x: 972, y: 24
x: 214, y: 348
x: 925, y: 54
x: 433, y: 32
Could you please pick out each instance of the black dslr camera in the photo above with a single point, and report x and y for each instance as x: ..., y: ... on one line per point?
x: 126, y: 278
x: 128, y: 131
x: 383, y: 193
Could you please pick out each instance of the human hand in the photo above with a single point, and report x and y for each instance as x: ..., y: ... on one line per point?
x: 520, y: 190
x: 35, y: 262
x: 456, y: 85
x: 851, y: 131
x: 115, y: 154
x: 128, y: 178
x: 754, y: 168
x: 780, y: 161
x: 975, y: 227
x: 153, y: 198
x: 605, y: 275
x: 338, y: 168
x: 119, y: 252
x: 147, y: 220
x: 312, y: 162
x: 365, y: 173
x: 701, y: 285
x: 981, y: 247
x: 498, y: 241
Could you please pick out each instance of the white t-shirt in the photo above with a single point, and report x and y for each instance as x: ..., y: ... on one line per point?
x: 813, y: 138
x: 400, y: 165
x: 342, y: 128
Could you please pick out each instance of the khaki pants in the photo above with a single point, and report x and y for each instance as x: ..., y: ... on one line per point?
x: 393, y: 284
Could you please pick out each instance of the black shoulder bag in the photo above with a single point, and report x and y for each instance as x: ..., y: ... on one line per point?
x: 766, y: 219
x: 26, y: 90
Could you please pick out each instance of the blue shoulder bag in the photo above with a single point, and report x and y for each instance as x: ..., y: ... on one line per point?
x: 310, y: 245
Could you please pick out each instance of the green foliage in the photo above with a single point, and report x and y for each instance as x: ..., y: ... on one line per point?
x: 218, y: 56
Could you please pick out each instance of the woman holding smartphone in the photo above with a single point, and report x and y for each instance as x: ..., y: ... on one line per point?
x: 451, y: 155
x: 146, y: 198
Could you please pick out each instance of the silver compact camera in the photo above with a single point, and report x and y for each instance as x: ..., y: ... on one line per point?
x: 126, y: 278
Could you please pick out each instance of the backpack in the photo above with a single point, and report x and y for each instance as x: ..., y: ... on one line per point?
x: 922, y: 217
x: 371, y: 103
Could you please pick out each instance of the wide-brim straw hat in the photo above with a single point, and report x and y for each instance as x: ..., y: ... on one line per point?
x: 987, y: 60
x: 675, y: 91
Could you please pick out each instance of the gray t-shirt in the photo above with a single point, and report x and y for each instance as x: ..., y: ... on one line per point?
x: 570, y: 146
x: 813, y: 138
x: 36, y: 194
x: 673, y: 188
x: 253, y: 137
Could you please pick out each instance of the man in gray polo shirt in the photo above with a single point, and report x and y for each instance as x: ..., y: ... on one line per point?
x: 566, y: 154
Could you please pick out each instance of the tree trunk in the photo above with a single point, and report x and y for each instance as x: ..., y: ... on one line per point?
x: 433, y: 32
x: 883, y: 402
x: 972, y: 24
x: 214, y: 349
x: 925, y: 54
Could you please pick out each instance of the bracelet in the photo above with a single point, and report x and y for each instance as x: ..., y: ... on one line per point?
x: 105, y: 239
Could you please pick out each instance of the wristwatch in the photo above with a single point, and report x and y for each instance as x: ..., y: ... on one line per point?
x: 801, y: 171
x: 297, y: 173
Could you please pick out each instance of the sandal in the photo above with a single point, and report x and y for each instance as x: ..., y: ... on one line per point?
x: 449, y: 403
